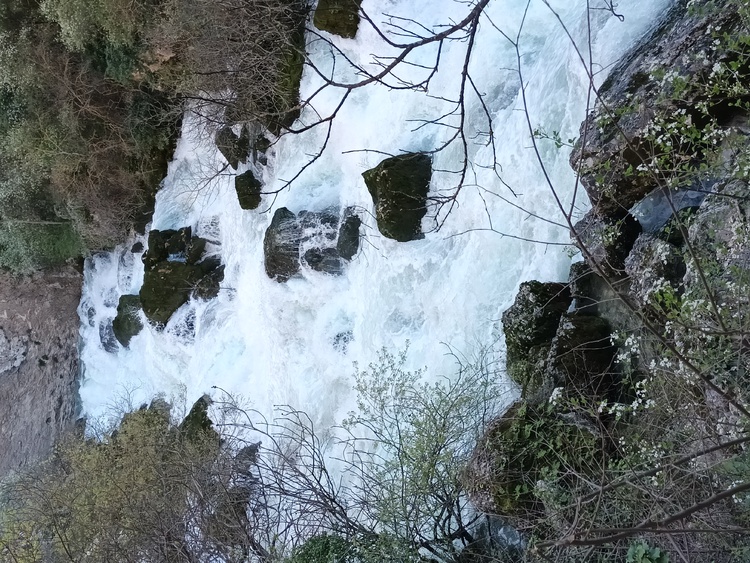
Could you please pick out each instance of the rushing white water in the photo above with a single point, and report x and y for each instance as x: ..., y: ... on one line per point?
x: 276, y: 343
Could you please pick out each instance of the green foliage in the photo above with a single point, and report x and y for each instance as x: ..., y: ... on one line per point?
x: 120, y: 21
x: 325, y: 548
x: 129, y: 494
x: 25, y: 247
x: 642, y: 552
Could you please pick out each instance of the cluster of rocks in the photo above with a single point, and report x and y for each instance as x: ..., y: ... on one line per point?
x: 177, y: 267
x: 645, y: 235
x: 322, y: 241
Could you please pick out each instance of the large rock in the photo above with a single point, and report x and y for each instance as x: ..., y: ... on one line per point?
x: 340, y: 17
x: 281, y: 245
x: 248, y: 189
x: 175, y: 268
x: 530, y: 325
x: 399, y: 187
x: 664, y: 78
x: 518, y: 448
x: 127, y: 323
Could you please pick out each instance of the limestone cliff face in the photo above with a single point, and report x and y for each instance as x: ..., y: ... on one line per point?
x: 38, y: 363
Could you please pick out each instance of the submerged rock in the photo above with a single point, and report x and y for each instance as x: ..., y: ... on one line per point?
x: 340, y: 17
x: 248, y: 189
x: 127, y: 323
x: 107, y: 337
x: 399, y: 187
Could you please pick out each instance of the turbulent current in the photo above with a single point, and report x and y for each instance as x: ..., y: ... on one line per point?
x: 295, y: 343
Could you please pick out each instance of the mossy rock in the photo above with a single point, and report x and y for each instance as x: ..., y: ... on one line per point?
x: 248, y: 189
x: 127, y: 323
x: 399, y: 187
x: 521, y: 447
x: 339, y: 17
x: 198, y: 427
x: 530, y: 325
x: 166, y: 288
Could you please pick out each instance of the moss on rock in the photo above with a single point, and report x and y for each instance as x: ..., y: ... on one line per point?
x: 340, y: 17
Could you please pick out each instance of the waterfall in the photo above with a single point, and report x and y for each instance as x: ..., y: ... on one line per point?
x: 295, y: 342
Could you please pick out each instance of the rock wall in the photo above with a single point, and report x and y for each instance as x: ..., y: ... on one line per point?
x: 38, y: 363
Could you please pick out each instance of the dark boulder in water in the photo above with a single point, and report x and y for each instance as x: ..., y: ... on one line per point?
x: 176, y: 268
x: 399, y: 187
x: 127, y: 322
x: 281, y: 245
x: 248, y: 189
x: 339, y: 17
x: 348, y: 241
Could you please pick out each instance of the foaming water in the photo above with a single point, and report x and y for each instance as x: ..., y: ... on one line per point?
x: 295, y: 343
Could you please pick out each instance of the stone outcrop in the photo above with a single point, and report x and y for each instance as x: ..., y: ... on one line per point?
x: 399, y: 187
x: 657, y: 79
x: 530, y: 325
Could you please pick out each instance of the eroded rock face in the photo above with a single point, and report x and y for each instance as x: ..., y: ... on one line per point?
x: 13, y: 350
x: 175, y: 266
x: 399, y: 187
